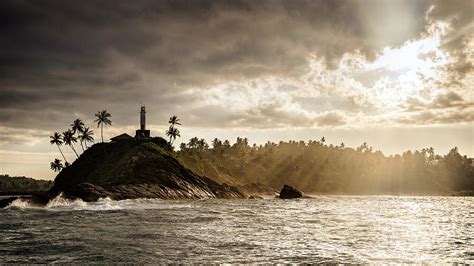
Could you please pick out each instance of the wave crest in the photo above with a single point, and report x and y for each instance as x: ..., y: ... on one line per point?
x: 61, y: 203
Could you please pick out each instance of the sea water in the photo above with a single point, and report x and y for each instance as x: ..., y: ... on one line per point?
x: 332, y: 229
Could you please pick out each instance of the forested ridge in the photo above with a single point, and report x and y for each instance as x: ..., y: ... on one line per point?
x: 316, y: 167
x: 23, y: 184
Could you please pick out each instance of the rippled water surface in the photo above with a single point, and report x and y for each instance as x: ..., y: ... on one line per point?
x: 377, y: 229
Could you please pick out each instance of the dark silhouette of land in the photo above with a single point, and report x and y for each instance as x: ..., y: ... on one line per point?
x: 20, y: 185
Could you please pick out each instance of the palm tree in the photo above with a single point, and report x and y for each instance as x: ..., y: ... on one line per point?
x: 77, y: 126
x: 57, y: 140
x: 172, y: 132
x: 103, y: 119
x: 69, y: 138
x: 193, y: 142
x: 86, y: 136
x: 174, y: 120
x: 56, y: 165
x: 201, y: 147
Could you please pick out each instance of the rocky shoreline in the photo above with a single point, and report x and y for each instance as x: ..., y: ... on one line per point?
x: 129, y: 170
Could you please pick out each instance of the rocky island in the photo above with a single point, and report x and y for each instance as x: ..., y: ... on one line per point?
x: 129, y: 169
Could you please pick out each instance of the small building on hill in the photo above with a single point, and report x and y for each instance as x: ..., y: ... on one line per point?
x: 141, y: 133
x: 121, y: 137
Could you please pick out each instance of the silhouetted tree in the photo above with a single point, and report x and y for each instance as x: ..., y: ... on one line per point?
x: 77, y: 127
x: 193, y: 143
x: 172, y: 132
x: 174, y: 120
x: 56, y: 165
x: 56, y: 139
x: 86, y: 136
x: 103, y: 118
x: 69, y: 139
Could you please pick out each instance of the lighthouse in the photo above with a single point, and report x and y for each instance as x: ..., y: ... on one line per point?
x: 142, y: 118
x: 142, y: 133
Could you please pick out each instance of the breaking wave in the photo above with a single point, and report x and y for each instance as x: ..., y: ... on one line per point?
x: 61, y: 203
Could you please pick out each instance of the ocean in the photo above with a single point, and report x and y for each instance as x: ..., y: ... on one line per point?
x: 324, y: 229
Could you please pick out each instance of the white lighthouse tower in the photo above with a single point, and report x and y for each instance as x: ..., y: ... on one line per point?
x: 142, y: 133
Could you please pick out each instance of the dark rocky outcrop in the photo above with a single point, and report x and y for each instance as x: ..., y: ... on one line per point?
x: 255, y: 197
x: 288, y: 192
x: 135, y: 169
x: 5, y: 202
x: 37, y: 199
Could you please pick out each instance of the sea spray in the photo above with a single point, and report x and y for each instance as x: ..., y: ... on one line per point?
x: 62, y: 203
x: 19, y: 203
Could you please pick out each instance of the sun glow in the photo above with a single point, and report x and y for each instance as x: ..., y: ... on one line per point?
x: 412, y: 68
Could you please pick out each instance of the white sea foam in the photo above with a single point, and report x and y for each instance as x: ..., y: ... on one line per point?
x: 19, y: 203
x: 61, y: 203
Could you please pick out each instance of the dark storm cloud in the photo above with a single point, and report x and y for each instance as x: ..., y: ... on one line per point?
x: 178, y: 38
x: 60, y: 57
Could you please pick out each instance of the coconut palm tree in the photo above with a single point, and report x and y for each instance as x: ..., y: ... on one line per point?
x: 69, y: 139
x: 174, y: 120
x: 172, y: 132
x: 102, y: 119
x: 57, y: 140
x: 77, y: 126
x: 86, y: 136
x: 56, y: 165
x: 193, y: 142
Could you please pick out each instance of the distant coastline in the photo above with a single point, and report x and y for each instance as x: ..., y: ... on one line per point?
x: 21, y: 185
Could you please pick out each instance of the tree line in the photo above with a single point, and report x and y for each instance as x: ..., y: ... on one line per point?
x: 315, y: 166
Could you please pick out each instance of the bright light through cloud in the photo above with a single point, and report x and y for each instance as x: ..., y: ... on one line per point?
x: 373, y: 91
x: 411, y: 68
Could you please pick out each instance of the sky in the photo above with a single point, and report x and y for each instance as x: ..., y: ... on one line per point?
x: 396, y: 74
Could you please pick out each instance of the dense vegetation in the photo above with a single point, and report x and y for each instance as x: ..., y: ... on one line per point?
x: 22, y: 184
x: 313, y: 166
x: 319, y: 168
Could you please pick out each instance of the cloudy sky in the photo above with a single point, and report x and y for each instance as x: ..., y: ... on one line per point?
x: 397, y: 74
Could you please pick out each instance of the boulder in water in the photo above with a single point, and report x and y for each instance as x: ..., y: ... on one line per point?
x: 288, y: 192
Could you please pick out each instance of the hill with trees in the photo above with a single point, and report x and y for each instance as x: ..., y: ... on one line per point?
x: 316, y: 167
x: 10, y: 184
x: 128, y: 169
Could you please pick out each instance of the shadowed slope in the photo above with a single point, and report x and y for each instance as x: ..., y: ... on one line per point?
x: 135, y: 169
